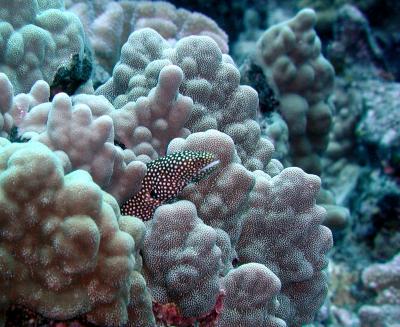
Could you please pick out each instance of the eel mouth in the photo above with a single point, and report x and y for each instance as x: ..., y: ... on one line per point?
x: 210, y: 167
x: 205, y: 171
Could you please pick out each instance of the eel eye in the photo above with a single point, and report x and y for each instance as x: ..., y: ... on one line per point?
x: 153, y: 194
x: 120, y: 144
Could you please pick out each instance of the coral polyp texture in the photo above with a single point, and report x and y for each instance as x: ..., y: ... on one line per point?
x: 257, y: 303
x: 286, y: 204
x: 182, y: 263
x: 64, y: 251
x: 154, y: 199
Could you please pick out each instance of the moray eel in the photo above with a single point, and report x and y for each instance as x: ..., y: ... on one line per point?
x: 165, y: 179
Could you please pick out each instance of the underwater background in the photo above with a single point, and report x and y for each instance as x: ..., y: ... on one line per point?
x: 200, y: 163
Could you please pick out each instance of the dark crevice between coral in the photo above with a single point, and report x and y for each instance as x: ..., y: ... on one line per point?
x: 252, y: 75
x: 69, y: 78
x: 120, y: 144
x: 376, y: 156
x: 376, y: 224
x: 14, y: 137
x: 227, y: 14
x: 386, y: 224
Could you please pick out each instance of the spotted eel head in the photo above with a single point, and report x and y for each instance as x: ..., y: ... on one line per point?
x: 196, y: 165
x: 165, y: 179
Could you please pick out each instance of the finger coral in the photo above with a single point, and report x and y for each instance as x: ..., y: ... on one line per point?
x: 37, y: 41
x: 64, y: 251
x: 105, y: 214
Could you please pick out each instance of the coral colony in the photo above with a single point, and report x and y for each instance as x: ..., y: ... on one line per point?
x: 153, y: 175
